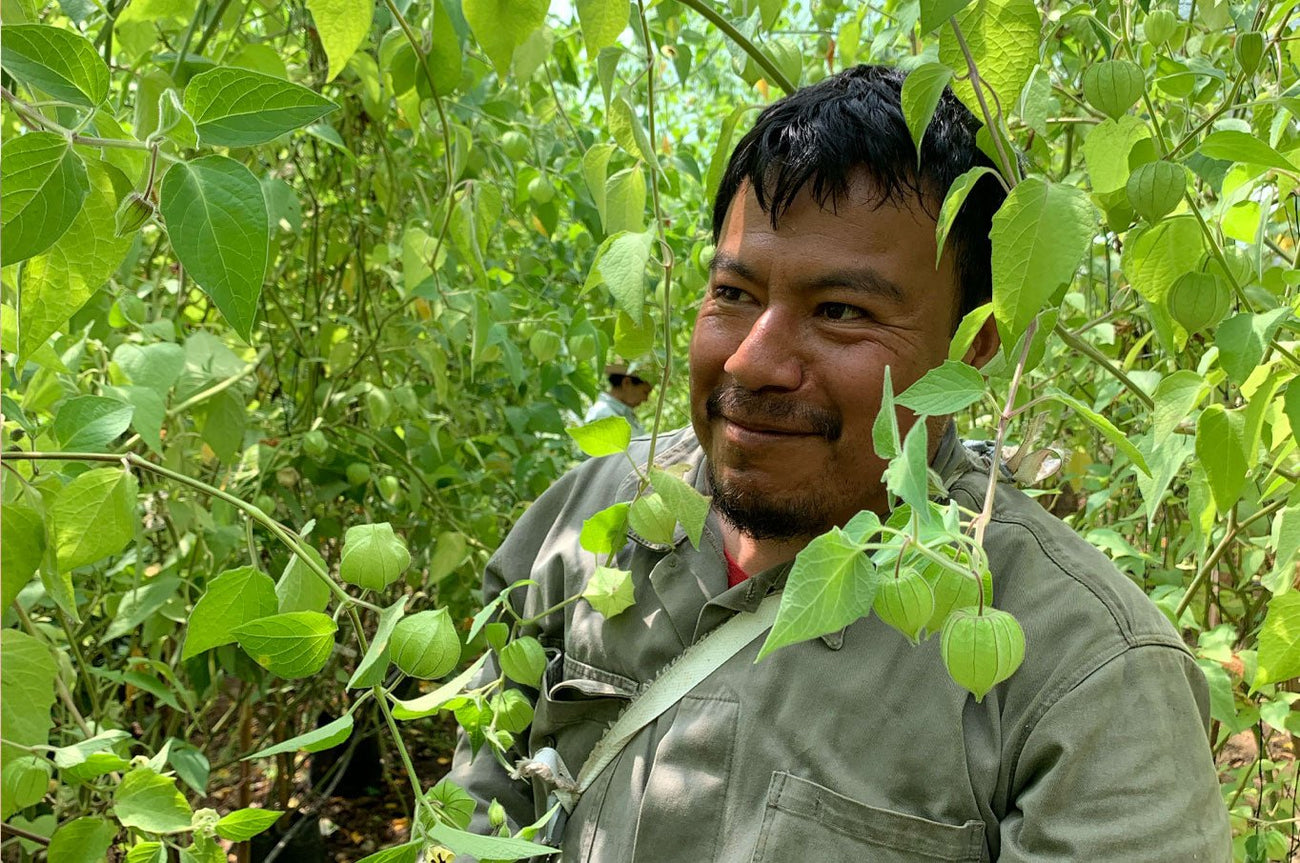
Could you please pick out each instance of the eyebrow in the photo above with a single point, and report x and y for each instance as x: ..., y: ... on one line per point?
x: 860, y: 279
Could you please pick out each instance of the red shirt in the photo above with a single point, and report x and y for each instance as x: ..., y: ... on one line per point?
x: 735, y: 575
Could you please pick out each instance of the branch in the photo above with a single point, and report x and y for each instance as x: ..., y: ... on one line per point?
x: 729, y: 30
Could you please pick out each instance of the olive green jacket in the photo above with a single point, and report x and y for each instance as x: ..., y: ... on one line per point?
x: 857, y: 746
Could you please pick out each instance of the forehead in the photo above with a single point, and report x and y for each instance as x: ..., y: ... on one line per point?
x: 894, y: 239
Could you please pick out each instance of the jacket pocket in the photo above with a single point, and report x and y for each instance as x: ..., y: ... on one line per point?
x: 805, y: 821
x: 573, y: 710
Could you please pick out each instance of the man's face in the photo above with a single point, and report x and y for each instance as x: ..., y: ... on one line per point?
x: 790, y: 347
x: 632, y: 391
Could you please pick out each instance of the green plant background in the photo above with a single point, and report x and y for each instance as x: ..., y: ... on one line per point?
x: 275, y: 277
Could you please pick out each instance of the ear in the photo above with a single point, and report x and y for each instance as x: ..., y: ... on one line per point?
x: 986, y: 344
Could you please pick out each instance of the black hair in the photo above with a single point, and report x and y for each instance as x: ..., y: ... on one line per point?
x: 616, y: 379
x: 851, y: 123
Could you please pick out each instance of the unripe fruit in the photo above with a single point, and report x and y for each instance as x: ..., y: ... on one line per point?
x: 540, y: 190
x: 515, y: 145
x: 524, y: 660
x: 1198, y: 301
x: 373, y: 556
x: 1154, y: 189
x: 905, y: 602
x: 544, y: 345
x: 1250, y: 51
x: 265, y: 503
x: 512, y: 711
x: 1113, y: 86
x: 425, y: 645
x: 1159, y: 26
x: 952, y: 590
x: 390, y: 489
x: 315, y: 445
x: 358, y: 473
x: 132, y: 214
x: 378, y: 407
x: 981, y: 650
x: 583, y: 347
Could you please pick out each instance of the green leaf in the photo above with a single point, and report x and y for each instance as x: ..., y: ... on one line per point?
x: 157, y: 366
x: 370, y: 671
x: 139, y: 604
x: 1237, y: 146
x: 1279, y: 641
x: 625, y: 197
x: 57, y: 60
x: 606, y: 531
x: 937, y: 12
x: 944, y: 389
x: 1039, y: 235
x: 952, y: 202
x: 232, y: 599
x: 326, y: 737
x: 627, y: 130
x: 147, y: 852
x: 609, y: 591
x: 595, y: 169
x: 603, y: 437
x: 91, y: 423
x: 300, y: 589
x: 373, y: 556
x: 445, y: 55
x: 921, y: 91
x: 22, y: 550
x: 722, y: 150
x: 234, y: 107
x: 243, y: 824
x: 343, y: 25
x: 82, y: 840
x: 151, y: 802
x: 1002, y: 36
x: 1291, y: 407
x: 1243, y: 339
x: 297, y: 644
x: 486, y: 847
x: 689, y: 506
x: 1220, y: 451
x: 1103, y: 425
x: 908, y: 473
x: 429, y: 703
x: 651, y: 517
x: 23, y: 782
x: 1106, y: 150
x: 969, y: 327
x: 602, y: 23
x: 27, y: 677
x: 408, y: 853
x: 448, y: 554
x: 55, y: 284
x: 190, y: 763
x: 216, y: 219
x: 884, y: 429
x: 1175, y: 397
x: 1155, y: 258
x: 621, y: 263
x: 501, y: 26
x: 831, y: 584
x: 45, y: 184
x: 93, y: 516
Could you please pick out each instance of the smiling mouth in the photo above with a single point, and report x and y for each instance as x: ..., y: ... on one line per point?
x: 760, y: 429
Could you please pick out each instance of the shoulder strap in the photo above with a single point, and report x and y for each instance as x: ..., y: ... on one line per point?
x: 695, y: 664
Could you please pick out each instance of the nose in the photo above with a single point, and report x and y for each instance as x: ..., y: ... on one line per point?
x: 767, y: 357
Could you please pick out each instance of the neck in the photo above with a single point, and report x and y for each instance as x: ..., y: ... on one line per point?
x: 755, y: 555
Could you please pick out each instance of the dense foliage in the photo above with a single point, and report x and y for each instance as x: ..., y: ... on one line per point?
x: 300, y: 298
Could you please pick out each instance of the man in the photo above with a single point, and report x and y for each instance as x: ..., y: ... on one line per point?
x: 626, y: 391
x: 857, y: 745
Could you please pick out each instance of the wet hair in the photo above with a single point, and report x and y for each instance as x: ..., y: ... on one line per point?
x: 851, y: 124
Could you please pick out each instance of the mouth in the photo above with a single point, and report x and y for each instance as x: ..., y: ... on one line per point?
x: 757, y: 429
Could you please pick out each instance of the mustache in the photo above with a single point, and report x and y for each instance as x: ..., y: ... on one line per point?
x: 742, y: 405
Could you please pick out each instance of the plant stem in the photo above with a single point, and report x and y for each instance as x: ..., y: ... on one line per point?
x: 729, y: 30
x: 1104, y: 361
x: 1008, y: 167
x: 1203, y: 572
x: 981, y: 522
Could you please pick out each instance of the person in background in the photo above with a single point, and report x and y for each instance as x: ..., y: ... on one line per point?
x: 626, y: 391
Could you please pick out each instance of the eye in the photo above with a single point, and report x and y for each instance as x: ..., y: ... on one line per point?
x: 728, y: 294
x: 842, y: 312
